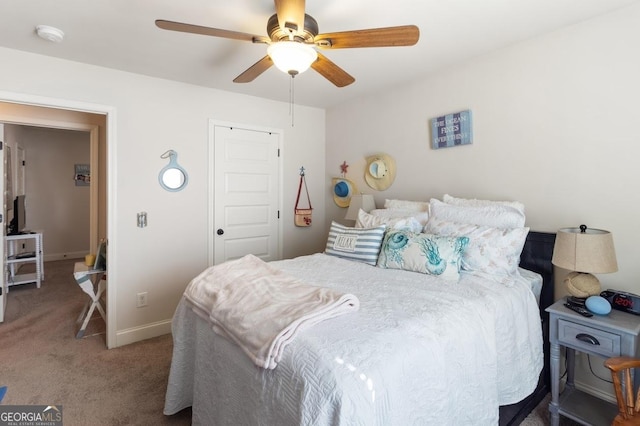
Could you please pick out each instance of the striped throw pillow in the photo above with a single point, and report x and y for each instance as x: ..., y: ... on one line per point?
x: 359, y: 244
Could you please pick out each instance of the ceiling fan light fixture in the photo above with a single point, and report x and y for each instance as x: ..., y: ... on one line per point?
x: 292, y: 57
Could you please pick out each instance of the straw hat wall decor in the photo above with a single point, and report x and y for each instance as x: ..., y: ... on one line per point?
x: 343, y: 189
x: 380, y: 171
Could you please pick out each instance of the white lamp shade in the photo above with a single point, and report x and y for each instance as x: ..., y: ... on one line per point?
x: 292, y: 57
x: 591, y: 251
x: 360, y: 201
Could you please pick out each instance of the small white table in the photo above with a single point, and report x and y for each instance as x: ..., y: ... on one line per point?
x: 16, y: 258
x: 91, y: 282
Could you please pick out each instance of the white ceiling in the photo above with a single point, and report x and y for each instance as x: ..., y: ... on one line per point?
x: 122, y: 34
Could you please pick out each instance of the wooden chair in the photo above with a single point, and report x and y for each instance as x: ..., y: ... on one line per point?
x: 628, y: 403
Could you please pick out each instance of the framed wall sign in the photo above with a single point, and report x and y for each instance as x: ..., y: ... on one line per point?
x: 82, y: 174
x: 451, y: 130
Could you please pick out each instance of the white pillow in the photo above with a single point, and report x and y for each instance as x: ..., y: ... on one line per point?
x: 361, y: 245
x: 421, y: 217
x: 494, y: 215
x: 473, y: 202
x: 416, y: 206
x: 366, y: 220
x: 494, y: 251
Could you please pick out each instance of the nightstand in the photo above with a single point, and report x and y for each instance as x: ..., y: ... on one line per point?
x: 610, y: 335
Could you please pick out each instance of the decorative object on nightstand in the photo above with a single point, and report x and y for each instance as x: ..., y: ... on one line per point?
x: 360, y: 201
x: 584, y: 251
x: 598, y: 305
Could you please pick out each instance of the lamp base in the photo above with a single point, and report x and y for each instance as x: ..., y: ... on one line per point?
x: 580, y: 284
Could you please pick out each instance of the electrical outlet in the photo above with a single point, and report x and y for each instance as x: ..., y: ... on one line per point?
x: 141, y: 300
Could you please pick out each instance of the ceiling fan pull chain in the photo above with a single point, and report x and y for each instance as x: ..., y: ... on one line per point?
x: 291, y: 98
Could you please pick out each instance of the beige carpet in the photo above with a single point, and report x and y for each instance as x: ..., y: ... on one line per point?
x: 42, y: 362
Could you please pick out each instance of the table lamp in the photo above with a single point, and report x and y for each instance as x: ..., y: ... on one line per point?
x: 360, y: 201
x: 584, y: 251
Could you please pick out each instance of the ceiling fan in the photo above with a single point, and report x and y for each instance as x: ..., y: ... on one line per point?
x: 293, y: 37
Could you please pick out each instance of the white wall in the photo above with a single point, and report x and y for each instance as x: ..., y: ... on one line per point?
x: 554, y: 124
x: 155, y: 115
x: 55, y: 205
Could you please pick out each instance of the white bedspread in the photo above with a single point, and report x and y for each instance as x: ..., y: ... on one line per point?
x: 262, y: 308
x: 418, y: 352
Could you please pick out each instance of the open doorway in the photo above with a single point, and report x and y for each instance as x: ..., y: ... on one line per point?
x: 63, y: 115
x: 58, y: 203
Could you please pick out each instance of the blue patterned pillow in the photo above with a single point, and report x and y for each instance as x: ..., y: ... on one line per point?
x: 359, y: 244
x: 425, y: 253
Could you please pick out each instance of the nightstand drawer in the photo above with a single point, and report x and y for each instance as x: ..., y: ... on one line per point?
x: 589, y: 339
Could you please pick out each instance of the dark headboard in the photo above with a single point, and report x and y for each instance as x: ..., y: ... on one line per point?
x: 536, y: 257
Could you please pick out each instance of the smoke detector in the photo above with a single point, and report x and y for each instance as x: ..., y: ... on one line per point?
x: 50, y: 33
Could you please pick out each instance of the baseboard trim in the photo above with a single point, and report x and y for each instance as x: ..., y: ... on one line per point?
x: 64, y: 256
x: 144, y: 332
x: 592, y: 390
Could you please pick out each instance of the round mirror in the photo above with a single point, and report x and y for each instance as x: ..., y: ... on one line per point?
x: 172, y: 177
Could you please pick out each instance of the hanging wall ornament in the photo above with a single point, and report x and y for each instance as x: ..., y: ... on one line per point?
x: 343, y: 168
x: 302, y: 216
x: 343, y: 188
x: 172, y: 177
x: 380, y: 171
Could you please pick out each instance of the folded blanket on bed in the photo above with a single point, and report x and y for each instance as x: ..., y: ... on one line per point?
x: 261, y: 308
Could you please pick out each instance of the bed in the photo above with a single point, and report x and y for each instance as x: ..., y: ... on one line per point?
x: 419, y: 350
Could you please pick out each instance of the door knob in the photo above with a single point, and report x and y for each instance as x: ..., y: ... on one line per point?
x: 220, y: 231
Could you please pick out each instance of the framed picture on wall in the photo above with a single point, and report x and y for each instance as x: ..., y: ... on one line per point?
x: 451, y: 130
x: 82, y: 174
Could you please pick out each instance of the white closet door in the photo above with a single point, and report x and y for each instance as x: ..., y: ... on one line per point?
x: 246, y: 185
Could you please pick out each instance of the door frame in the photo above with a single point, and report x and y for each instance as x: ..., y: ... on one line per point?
x: 211, y: 179
x: 94, y: 138
x: 110, y: 120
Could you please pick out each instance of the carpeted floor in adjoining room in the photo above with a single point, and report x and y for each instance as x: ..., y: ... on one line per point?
x: 42, y: 363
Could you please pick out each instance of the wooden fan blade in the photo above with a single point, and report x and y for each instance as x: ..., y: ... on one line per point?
x: 406, y: 35
x: 292, y: 12
x: 254, y: 70
x: 331, y: 71
x: 215, y: 32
